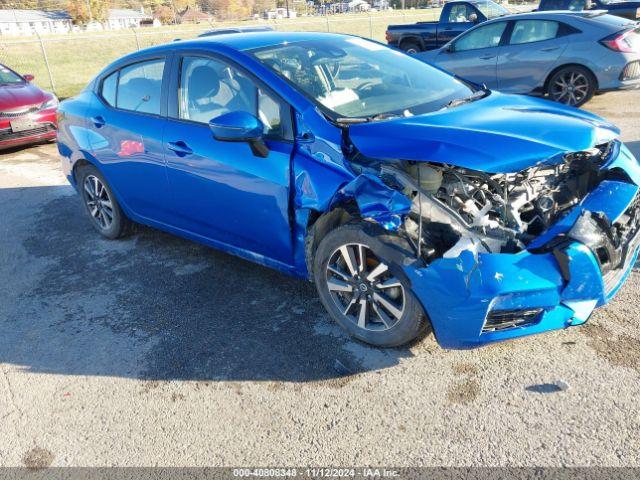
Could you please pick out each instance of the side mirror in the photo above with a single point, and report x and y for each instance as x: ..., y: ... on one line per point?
x: 28, y: 77
x: 240, y: 127
x: 450, y: 48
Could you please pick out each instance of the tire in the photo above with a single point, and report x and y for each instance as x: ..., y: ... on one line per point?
x: 105, y: 215
x: 411, y: 47
x: 572, y: 85
x: 379, y: 310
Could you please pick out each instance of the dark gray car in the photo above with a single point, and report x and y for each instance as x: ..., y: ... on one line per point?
x: 568, y: 55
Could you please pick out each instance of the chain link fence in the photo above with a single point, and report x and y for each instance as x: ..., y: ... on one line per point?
x: 64, y: 64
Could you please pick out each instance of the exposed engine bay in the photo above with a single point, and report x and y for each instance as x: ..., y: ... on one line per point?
x: 454, y: 209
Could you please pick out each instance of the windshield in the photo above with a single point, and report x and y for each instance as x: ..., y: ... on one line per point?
x: 7, y: 76
x: 352, y: 77
x: 491, y: 9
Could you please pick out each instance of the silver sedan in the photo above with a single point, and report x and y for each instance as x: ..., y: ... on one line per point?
x: 569, y: 56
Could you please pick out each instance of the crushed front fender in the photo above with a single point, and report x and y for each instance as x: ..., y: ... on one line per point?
x: 555, y: 285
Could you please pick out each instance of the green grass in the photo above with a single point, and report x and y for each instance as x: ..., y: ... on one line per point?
x: 75, y: 59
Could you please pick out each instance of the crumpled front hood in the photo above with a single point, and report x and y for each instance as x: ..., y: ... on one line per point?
x: 497, y: 134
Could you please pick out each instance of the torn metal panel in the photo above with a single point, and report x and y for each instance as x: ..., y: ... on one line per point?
x: 376, y: 201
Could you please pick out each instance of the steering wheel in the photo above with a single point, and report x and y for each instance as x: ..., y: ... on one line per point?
x: 366, y: 86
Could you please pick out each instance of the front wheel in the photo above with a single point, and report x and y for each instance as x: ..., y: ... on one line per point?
x: 572, y: 85
x: 361, y: 284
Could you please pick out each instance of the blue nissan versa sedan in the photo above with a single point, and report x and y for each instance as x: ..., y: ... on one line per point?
x: 412, y: 198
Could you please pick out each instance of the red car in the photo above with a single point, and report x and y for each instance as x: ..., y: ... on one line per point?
x: 27, y: 114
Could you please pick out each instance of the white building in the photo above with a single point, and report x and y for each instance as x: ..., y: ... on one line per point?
x: 359, y: 6
x: 279, y: 13
x: 123, y: 18
x: 30, y: 22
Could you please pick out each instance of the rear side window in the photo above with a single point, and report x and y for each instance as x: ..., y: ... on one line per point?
x: 137, y: 87
x: 140, y: 87
x: 109, y: 88
x: 554, y: 5
x: 527, y: 31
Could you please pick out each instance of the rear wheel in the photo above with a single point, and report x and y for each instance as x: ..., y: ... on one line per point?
x: 572, y: 85
x: 100, y: 203
x: 362, y: 286
x: 411, y: 47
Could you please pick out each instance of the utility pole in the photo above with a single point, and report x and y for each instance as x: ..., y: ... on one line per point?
x: 286, y: 4
x: 89, y: 11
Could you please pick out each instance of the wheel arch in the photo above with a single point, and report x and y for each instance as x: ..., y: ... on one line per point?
x: 564, y: 65
x: 321, y: 223
x: 412, y: 39
x: 81, y: 162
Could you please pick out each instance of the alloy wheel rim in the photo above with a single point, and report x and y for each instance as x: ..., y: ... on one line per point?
x: 363, y: 289
x: 570, y: 88
x: 98, y: 202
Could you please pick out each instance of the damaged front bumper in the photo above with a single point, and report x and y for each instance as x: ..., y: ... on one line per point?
x: 574, y: 267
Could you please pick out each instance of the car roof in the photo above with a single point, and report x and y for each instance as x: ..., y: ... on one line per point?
x: 553, y: 14
x: 242, y: 29
x: 247, y: 40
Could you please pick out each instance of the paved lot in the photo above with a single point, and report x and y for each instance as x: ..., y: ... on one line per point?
x: 158, y: 351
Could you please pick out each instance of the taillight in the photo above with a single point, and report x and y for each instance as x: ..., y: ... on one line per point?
x: 626, y: 42
x: 387, y: 36
x: 637, y: 13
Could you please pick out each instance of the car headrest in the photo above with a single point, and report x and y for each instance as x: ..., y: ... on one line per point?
x: 203, y: 81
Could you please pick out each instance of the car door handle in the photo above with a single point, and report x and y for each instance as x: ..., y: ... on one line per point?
x: 180, y: 148
x: 487, y: 57
x: 98, y: 121
x: 550, y: 49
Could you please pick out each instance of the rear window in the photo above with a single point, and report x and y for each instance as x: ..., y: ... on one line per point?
x: 612, y: 21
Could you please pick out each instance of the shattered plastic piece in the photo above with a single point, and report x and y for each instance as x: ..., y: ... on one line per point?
x: 377, y: 201
x: 562, y: 385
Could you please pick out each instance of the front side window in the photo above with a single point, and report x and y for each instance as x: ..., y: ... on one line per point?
x: 527, y: 31
x: 210, y: 88
x: 353, y: 77
x: 8, y: 76
x: 578, y: 5
x: 140, y: 87
x: 486, y: 36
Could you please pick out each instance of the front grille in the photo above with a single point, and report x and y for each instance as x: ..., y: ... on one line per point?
x: 19, y: 112
x: 631, y: 71
x: 498, y: 320
x: 7, y: 134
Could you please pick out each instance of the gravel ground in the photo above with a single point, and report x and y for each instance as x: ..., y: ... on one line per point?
x: 157, y: 351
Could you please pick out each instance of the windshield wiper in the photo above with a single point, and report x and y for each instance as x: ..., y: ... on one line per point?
x: 350, y: 120
x: 372, y: 118
x: 471, y: 98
